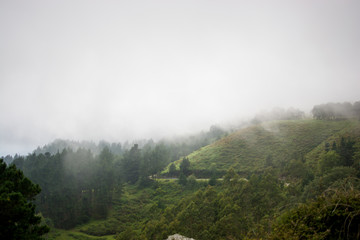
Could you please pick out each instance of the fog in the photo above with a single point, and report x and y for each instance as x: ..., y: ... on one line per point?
x: 123, y: 70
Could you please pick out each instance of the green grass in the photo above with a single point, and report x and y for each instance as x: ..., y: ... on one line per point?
x: 247, y: 149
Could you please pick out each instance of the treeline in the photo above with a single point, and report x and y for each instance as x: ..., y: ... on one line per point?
x: 59, y: 145
x: 178, y: 147
x: 336, y: 111
x: 76, y: 186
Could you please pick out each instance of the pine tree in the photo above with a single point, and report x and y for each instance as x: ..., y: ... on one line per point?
x: 17, y: 213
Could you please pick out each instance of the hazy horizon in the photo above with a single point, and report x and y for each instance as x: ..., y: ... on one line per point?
x: 120, y: 70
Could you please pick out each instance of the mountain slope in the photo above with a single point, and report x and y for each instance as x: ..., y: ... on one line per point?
x: 247, y: 150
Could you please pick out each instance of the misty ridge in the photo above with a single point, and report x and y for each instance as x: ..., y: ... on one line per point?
x: 328, y: 111
x: 196, y: 140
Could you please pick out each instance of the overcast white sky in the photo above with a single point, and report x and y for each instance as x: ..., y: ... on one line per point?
x: 117, y: 70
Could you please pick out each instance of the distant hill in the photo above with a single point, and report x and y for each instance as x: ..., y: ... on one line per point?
x: 272, y: 143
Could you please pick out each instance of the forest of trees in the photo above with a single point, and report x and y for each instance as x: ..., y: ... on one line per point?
x: 75, y: 185
x: 336, y: 111
x: 78, y: 186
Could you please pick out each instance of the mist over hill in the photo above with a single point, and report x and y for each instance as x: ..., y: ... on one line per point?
x: 210, y: 119
x: 204, y: 186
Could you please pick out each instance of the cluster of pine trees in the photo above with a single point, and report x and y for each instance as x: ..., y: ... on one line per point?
x: 17, y: 214
x: 76, y: 186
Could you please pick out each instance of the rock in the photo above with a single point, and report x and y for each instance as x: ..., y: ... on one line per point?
x: 178, y: 237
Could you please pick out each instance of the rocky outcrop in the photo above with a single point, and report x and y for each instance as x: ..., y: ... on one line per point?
x: 178, y: 237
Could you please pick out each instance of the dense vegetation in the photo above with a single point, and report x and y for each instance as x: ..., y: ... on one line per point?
x: 17, y: 214
x: 284, y: 179
x: 333, y: 215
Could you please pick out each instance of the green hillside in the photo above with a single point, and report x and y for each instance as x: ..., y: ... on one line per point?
x: 247, y: 150
x: 131, y: 210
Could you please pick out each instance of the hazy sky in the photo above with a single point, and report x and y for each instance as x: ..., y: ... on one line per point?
x: 119, y: 70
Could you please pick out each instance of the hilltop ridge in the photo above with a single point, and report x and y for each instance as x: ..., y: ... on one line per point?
x: 273, y: 143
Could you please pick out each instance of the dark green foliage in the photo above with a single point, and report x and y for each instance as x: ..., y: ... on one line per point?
x: 330, y: 160
x: 17, y: 213
x: 153, y: 160
x: 76, y: 185
x: 333, y: 146
x: 182, y: 179
x: 212, y: 180
x: 128, y: 234
x: 172, y: 170
x: 346, y: 151
x: 269, y: 161
x: 230, y: 177
x: 297, y: 170
x: 343, y: 155
x: 333, y: 215
x: 191, y: 181
x: 232, y: 213
x: 327, y: 147
x: 213, y: 177
x: 185, y: 167
x: 131, y: 164
x: 323, y: 182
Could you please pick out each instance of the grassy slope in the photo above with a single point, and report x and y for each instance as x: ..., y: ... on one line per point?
x: 247, y: 149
